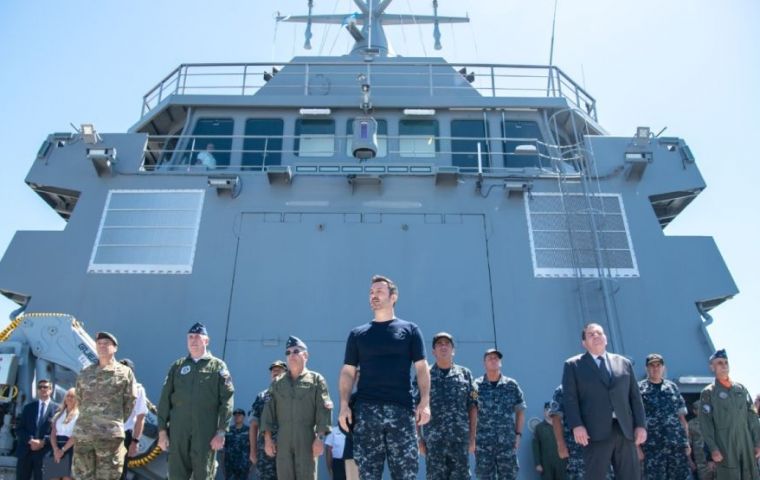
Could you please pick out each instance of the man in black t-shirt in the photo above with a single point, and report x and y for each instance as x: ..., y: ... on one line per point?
x: 384, y: 415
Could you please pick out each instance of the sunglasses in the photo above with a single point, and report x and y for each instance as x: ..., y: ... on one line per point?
x: 295, y: 351
x: 43, y: 387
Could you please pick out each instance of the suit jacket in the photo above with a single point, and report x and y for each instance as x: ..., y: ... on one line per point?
x: 589, y: 401
x: 26, y: 426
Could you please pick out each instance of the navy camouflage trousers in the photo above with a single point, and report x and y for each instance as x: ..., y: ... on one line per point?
x: 447, y: 460
x: 495, y: 460
x: 666, y: 461
x: 385, y: 431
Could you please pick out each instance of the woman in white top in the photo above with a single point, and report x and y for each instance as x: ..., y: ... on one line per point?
x: 62, y: 430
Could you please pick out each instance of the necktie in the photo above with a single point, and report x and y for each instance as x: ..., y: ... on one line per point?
x: 40, y: 419
x: 603, y: 368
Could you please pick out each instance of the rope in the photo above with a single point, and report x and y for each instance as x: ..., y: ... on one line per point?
x: 145, y: 459
x: 419, y: 29
x: 10, y: 328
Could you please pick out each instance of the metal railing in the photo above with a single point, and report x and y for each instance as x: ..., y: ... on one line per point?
x: 188, y: 153
x: 429, y: 79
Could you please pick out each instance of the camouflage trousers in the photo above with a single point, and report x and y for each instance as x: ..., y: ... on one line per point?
x: 385, y: 431
x: 495, y: 460
x: 666, y: 461
x: 98, y: 459
x: 266, y: 466
x: 447, y: 460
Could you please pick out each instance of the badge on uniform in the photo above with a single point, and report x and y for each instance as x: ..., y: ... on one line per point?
x: 184, y: 370
x: 706, y: 408
x: 474, y: 394
x: 723, y: 395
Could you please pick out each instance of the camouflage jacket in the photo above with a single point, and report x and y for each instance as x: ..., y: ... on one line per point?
x: 497, y: 404
x: 663, y: 404
x: 106, y: 397
x: 452, y: 394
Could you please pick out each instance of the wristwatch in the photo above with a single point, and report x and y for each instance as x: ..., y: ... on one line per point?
x: 135, y: 440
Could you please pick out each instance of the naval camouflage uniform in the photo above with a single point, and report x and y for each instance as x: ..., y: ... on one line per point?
x: 495, y: 455
x: 106, y: 397
x: 298, y: 409
x: 236, y: 451
x: 196, y: 404
x: 447, y: 435
x: 698, y: 451
x: 665, y: 448
x: 729, y: 424
x: 266, y: 466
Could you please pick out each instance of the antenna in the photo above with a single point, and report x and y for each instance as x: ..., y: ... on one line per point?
x: 436, y: 28
x: 550, y: 84
x: 307, y: 43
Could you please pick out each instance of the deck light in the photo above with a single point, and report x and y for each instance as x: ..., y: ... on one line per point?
x: 643, y: 133
x: 225, y: 183
x: 419, y: 112
x: 314, y: 111
x: 102, y: 159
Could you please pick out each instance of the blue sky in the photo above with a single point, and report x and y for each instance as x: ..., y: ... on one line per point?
x: 690, y: 65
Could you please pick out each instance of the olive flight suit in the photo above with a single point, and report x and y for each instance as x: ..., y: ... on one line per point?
x: 196, y: 404
x: 729, y: 424
x: 299, y: 409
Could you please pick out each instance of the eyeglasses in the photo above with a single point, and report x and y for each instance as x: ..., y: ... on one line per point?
x: 295, y: 351
x: 43, y: 387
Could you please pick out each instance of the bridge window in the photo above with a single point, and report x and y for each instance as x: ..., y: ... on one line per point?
x: 148, y: 231
x: 523, y: 134
x: 211, y: 143
x: 465, y: 136
x: 263, y: 143
x: 382, y: 138
x: 418, y: 138
x: 315, y: 138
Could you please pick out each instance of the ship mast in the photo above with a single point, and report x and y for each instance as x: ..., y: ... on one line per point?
x: 367, y: 25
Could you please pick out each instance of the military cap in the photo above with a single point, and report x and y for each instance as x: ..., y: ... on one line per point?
x: 654, y: 357
x: 128, y: 363
x: 493, y: 350
x: 238, y: 411
x: 441, y: 335
x: 107, y: 336
x: 278, y: 363
x: 719, y: 354
x: 198, y: 328
x: 295, y: 342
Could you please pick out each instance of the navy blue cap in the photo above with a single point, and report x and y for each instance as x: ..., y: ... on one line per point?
x: 278, y: 363
x: 238, y: 411
x: 493, y: 350
x: 719, y: 354
x: 547, y: 405
x: 107, y: 336
x: 198, y: 328
x: 295, y: 342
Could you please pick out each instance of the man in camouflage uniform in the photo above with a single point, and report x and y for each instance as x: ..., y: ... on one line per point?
x: 704, y: 465
x: 195, y: 409
x: 106, y: 393
x: 729, y: 424
x: 666, y: 451
x: 236, y: 448
x: 383, y: 415
x: 501, y: 414
x: 545, y: 455
x: 567, y: 447
x: 266, y: 466
x: 299, y: 409
x: 449, y: 437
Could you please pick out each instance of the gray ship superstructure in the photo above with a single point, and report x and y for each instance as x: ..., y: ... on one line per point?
x: 260, y: 198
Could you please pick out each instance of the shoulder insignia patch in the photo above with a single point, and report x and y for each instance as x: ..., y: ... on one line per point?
x: 184, y: 370
x: 329, y: 405
x: 706, y: 408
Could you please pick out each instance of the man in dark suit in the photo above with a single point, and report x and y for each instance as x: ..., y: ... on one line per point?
x: 33, y: 433
x: 603, y: 408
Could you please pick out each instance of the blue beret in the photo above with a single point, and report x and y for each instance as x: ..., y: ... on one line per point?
x: 295, y: 342
x: 719, y: 354
x: 198, y: 328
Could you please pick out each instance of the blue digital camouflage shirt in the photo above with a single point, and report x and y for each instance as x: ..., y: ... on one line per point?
x: 663, y: 404
x: 452, y: 394
x: 497, y: 403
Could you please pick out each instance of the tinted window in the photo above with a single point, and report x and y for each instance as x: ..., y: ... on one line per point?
x: 263, y: 142
x: 418, y: 138
x: 514, y: 132
x: 382, y: 137
x: 211, y: 143
x: 315, y: 138
x: 465, y: 136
